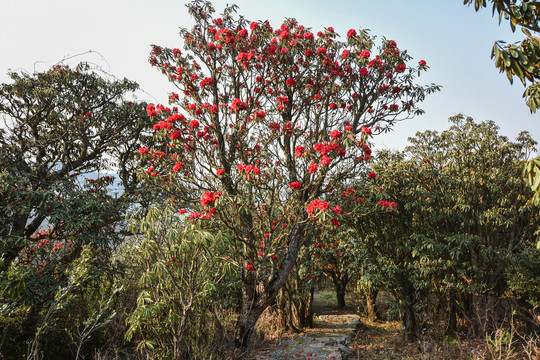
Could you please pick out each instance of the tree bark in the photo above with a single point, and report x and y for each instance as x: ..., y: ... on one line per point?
x: 340, y: 296
x: 452, y: 318
x: 409, y: 324
x: 309, y: 308
x: 373, y: 313
x: 257, y: 294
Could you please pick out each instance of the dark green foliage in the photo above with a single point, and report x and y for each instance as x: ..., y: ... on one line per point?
x: 58, y: 228
x: 462, y: 222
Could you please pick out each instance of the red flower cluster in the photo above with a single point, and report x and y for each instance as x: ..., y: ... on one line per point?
x: 162, y: 125
x: 372, y: 175
x: 388, y: 204
x: 209, y: 197
x: 207, y: 81
x: 274, y: 125
x: 335, y: 134
x: 295, y: 185
x: 365, y: 54
x: 249, y: 169
x: 317, y: 204
x: 400, y: 68
x: 178, y: 166
x: 238, y: 105
x: 143, y: 150
x: 151, y: 110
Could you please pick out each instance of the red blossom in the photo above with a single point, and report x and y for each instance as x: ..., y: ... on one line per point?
x: 366, y: 130
x: 178, y: 166
x: 295, y: 185
x: 325, y: 161
x: 209, y: 197
x: 365, y: 54
x: 388, y: 204
x: 151, y: 110
x: 372, y: 175
x: 351, y: 33
x: 207, y: 81
x: 238, y: 105
x: 336, y: 134
x: 400, y: 68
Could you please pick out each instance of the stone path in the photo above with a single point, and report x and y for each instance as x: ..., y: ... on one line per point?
x: 329, y: 339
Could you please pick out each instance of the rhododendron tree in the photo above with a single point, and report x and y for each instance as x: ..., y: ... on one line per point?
x: 460, y: 222
x: 264, y: 125
x: 59, y: 126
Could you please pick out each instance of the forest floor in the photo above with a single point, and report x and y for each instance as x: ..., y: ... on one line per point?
x: 377, y: 340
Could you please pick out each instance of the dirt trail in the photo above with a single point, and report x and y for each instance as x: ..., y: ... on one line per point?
x: 329, y: 339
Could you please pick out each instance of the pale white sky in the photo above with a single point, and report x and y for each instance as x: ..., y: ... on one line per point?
x: 455, y: 41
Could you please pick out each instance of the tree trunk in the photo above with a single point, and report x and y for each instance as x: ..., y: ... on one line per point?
x: 340, y: 295
x: 258, y: 295
x: 373, y: 313
x: 409, y: 324
x: 452, y: 319
x: 309, y: 308
x: 245, y: 329
x: 282, y: 314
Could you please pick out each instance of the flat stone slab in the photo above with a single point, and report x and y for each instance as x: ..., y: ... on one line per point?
x: 328, y: 340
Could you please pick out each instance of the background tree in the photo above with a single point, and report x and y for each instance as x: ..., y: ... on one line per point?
x: 271, y: 121
x: 65, y: 130
x: 462, y: 221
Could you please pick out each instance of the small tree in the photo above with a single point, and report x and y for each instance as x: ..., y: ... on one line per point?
x: 272, y: 120
x: 180, y: 288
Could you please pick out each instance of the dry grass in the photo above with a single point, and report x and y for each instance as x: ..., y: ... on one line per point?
x: 267, y: 334
x: 383, y: 341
